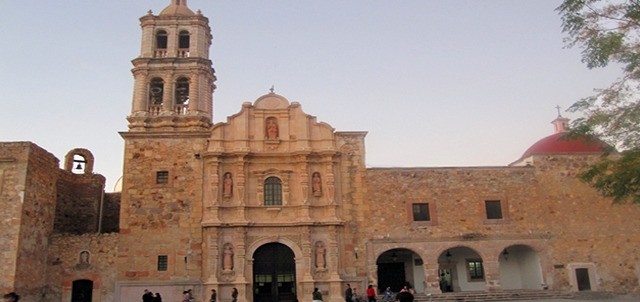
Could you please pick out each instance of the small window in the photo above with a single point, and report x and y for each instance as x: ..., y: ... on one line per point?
x: 163, y: 262
x: 476, y: 272
x: 162, y: 177
x: 493, y: 209
x: 421, y: 212
x: 272, y: 191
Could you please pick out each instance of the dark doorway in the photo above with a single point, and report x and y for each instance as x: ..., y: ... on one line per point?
x: 582, y: 276
x: 81, y: 291
x: 274, y: 274
x: 391, y: 275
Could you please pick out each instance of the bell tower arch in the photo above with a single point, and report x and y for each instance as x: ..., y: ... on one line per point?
x: 173, y: 75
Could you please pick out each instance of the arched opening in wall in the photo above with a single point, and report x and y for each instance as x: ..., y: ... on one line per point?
x: 520, y: 268
x: 81, y: 290
x: 460, y: 269
x: 161, y: 44
x: 274, y: 273
x: 156, y: 89
x: 79, y: 164
x: 398, y: 268
x: 182, y: 96
x: 183, y: 44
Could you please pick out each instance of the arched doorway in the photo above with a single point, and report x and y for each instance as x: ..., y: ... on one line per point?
x: 274, y: 273
x: 81, y: 290
x: 520, y: 268
x: 400, y: 267
x: 460, y: 269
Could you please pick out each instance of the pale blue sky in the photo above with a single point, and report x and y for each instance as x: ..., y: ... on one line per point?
x: 436, y: 83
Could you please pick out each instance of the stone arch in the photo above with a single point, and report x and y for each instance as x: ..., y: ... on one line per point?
x: 297, y: 251
x: 399, y: 266
x: 302, y: 264
x: 79, y: 157
x: 520, y: 268
x: 461, y: 268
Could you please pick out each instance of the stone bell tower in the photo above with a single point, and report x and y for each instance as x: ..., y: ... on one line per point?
x: 174, y: 77
x: 169, y: 125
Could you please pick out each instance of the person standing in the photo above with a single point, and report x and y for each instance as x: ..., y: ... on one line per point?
x: 355, y: 297
x: 147, y: 296
x: 348, y: 293
x: 316, y: 295
x: 371, y: 293
x: 214, y: 296
x: 234, y: 295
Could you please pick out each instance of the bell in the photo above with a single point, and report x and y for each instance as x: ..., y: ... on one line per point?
x: 79, y: 166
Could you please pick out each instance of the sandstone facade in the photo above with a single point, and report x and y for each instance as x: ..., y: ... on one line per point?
x: 273, y: 203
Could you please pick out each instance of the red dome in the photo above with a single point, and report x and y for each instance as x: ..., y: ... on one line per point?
x: 556, y: 143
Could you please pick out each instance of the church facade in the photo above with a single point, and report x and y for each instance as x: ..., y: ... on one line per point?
x: 274, y: 204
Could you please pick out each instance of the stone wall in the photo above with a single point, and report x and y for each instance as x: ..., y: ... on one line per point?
x: 111, y: 213
x: 13, y: 169
x: 79, y: 197
x: 28, y: 206
x: 545, y: 207
x: 164, y: 216
x: 65, y: 265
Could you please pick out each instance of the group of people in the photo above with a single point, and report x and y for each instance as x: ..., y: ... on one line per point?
x: 148, y: 296
x: 351, y: 294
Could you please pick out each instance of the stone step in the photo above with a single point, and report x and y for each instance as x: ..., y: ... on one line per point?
x: 494, y: 296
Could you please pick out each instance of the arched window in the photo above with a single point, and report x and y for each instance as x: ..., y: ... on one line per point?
x: 183, y: 44
x: 156, y: 88
x: 272, y: 191
x: 182, y: 96
x: 161, y: 44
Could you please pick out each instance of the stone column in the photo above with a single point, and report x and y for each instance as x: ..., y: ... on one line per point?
x: 432, y: 281
x: 491, y: 275
x: 194, y: 96
x: 140, y: 93
x: 167, y: 96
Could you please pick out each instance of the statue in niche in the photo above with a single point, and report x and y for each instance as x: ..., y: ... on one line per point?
x: 321, y: 263
x: 83, y: 260
x: 227, y: 258
x: 227, y: 185
x: 316, y: 184
x: 271, y: 128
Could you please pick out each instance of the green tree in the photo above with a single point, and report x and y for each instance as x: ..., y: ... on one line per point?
x: 608, y: 31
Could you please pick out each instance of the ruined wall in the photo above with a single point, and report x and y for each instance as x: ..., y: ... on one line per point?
x: 13, y: 169
x: 79, y: 197
x: 36, y: 217
x: 65, y: 265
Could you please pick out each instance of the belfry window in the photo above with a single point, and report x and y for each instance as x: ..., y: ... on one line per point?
x: 272, y: 191
x: 182, y: 96
x: 156, y: 88
x: 161, y: 44
x: 183, y: 44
